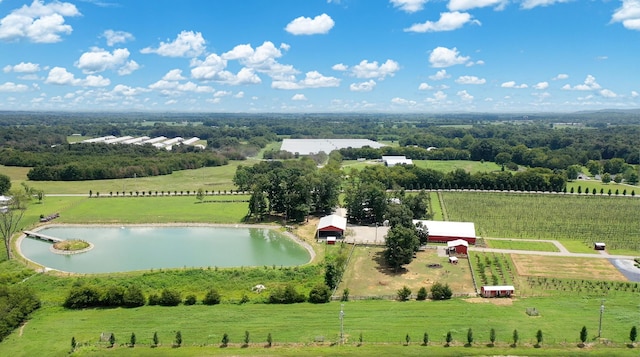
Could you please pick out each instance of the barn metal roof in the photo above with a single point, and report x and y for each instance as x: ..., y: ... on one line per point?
x: 333, y: 220
x: 449, y: 229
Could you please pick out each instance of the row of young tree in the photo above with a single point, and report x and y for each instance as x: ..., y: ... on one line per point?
x: 291, y: 189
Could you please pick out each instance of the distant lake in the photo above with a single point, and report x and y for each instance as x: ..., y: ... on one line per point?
x: 119, y: 249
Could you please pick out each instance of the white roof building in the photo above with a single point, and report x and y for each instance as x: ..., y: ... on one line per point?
x: 396, y: 160
x: 457, y: 242
x: 314, y: 146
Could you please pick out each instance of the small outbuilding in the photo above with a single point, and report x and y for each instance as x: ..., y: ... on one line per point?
x: 331, y: 226
x: 396, y: 160
x: 489, y: 291
x: 599, y: 246
x: 458, y: 246
x: 453, y: 260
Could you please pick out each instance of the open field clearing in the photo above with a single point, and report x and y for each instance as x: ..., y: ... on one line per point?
x: 566, y: 268
x: 451, y: 165
x: 299, y: 325
x: 368, y: 275
x: 215, y: 179
x: 522, y: 245
x: 187, y: 209
x: 588, y: 219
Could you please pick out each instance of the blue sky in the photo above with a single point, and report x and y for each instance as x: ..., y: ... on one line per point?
x: 320, y: 55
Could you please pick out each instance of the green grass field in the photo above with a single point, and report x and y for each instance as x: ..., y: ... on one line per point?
x: 598, y: 185
x: 451, y: 165
x: 587, y: 219
x: 382, y: 323
x: 521, y: 245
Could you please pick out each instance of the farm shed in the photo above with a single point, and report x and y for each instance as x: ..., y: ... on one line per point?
x: 453, y: 260
x: 396, y: 160
x: 331, y: 240
x: 314, y: 146
x: 446, y: 231
x: 496, y: 291
x: 458, y: 246
x: 599, y: 246
x: 331, y: 226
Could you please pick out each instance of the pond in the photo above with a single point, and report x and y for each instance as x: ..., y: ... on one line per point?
x: 129, y: 248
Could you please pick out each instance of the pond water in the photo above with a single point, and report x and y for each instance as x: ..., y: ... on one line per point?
x: 118, y: 249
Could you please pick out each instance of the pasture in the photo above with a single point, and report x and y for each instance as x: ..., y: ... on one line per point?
x: 587, y: 219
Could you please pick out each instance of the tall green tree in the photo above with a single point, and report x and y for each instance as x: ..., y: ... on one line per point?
x: 470, y: 336
x: 492, y: 336
x: 401, y: 243
x: 583, y: 334
x: 11, y: 217
x: 539, y: 337
x: 5, y: 184
x: 633, y: 334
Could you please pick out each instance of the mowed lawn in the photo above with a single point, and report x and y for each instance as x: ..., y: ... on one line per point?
x: 298, y: 326
x: 521, y: 245
x: 187, y: 209
x: 216, y: 179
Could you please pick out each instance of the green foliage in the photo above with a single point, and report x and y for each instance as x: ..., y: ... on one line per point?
x: 178, y: 340
x: 401, y: 244
x: 425, y: 339
x: 404, y: 293
x: 225, y: 340
x: 345, y: 295
x: 133, y: 297
x: 633, y: 334
x: 212, y: 297
x: 190, y: 299
x: 169, y: 297
x: 469, y: 336
x: 5, y: 184
x: 82, y: 296
x: 286, y: 295
x: 269, y: 340
x: 492, y: 335
x: 320, y: 294
x: 155, y: 339
x: 407, y: 338
x: 515, y: 337
x: 539, y: 337
x: 246, y: 337
x: 112, y: 296
x: 441, y: 291
x: 74, y: 344
x: 583, y: 334
x: 112, y: 340
x: 16, y: 304
x: 449, y: 338
x: 154, y: 299
x: 132, y: 340
x: 422, y: 294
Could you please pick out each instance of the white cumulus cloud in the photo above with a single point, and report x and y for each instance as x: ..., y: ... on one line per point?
x: 462, y: 5
x: 262, y: 59
x: 60, y: 76
x: 403, y: 101
x: 13, y: 88
x: 299, y: 97
x: 448, y: 21
x: 512, y: 84
x: 409, y: 5
x: 424, y: 86
x: 588, y: 84
x: 440, y: 75
x: 99, y: 60
x: 313, y: 79
x: 367, y: 86
x: 560, y: 77
x: 320, y: 24
x: 38, y: 22
x: 463, y: 95
x: 115, y: 37
x: 470, y: 80
x: 444, y: 57
x: 366, y: 69
x: 628, y: 14
x: 174, y: 75
x: 22, y: 67
x: 607, y: 93
x: 339, y: 67
x: 186, y: 44
x: 541, y: 85
x: 530, y: 4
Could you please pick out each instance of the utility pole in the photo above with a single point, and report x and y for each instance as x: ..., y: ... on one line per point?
x: 601, y: 312
x: 341, y: 323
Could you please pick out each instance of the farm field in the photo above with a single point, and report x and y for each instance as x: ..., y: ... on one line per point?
x: 522, y: 245
x: 566, y: 267
x: 598, y: 185
x: 367, y: 274
x: 381, y: 322
x: 451, y: 165
x: 209, y: 178
x: 587, y: 219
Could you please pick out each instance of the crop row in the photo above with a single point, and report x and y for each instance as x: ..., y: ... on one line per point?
x: 612, y: 220
x: 591, y: 287
x: 492, y: 269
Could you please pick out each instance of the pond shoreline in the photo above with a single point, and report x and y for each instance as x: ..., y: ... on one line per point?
x: 293, y: 237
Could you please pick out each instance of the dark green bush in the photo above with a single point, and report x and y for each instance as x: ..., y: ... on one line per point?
x: 320, y: 294
x: 212, y: 297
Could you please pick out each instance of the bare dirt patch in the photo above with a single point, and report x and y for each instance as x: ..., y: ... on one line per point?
x: 499, y: 302
x: 566, y: 267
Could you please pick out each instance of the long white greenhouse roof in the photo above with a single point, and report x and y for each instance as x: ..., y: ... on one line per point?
x: 314, y: 146
x: 448, y: 228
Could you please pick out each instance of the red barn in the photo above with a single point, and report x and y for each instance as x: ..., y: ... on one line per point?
x: 497, y: 291
x: 458, y: 246
x: 446, y: 231
x: 331, y: 226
